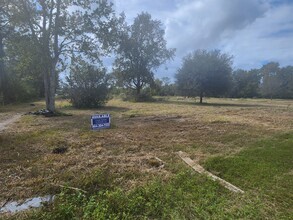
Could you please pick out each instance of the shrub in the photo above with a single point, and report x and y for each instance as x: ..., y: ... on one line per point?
x: 144, y: 96
x: 87, y: 86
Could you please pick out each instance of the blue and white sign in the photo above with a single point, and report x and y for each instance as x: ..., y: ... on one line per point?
x: 100, y: 121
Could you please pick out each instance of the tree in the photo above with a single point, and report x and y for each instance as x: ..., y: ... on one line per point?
x: 285, y: 78
x: 270, y: 81
x: 6, y: 29
x: 87, y: 85
x: 164, y: 87
x: 142, y: 50
x: 61, y: 29
x: 23, y: 61
x: 246, y: 83
x: 204, y: 73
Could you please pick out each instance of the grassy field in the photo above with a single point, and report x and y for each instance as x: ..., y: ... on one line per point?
x: 248, y: 142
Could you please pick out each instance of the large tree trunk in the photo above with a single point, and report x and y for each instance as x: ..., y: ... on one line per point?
x: 50, y: 87
x: 52, y: 74
x: 47, y: 87
x: 52, y: 93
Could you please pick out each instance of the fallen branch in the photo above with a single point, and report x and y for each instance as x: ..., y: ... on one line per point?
x: 201, y: 170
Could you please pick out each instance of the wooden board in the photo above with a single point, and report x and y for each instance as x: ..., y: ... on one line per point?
x: 201, y: 170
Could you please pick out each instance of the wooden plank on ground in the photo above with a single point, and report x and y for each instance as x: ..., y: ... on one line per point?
x: 201, y: 170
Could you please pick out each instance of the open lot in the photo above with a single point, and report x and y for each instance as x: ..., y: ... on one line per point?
x: 247, y: 142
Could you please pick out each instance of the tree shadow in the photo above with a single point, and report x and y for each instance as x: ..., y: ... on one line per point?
x: 101, y: 108
x: 113, y: 109
x: 179, y: 102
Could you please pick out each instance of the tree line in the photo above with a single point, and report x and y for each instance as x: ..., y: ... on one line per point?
x: 209, y: 73
x: 42, y: 38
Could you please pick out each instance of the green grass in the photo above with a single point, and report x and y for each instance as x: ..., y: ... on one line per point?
x: 265, y: 168
x: 185, y: 196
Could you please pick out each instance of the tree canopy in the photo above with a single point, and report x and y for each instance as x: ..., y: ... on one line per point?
x: 205, y: 73
x: 59, y: 29
x: 142, y: 50
x: 277, y: 82
x: 246, y: 84
x: 6, y: 29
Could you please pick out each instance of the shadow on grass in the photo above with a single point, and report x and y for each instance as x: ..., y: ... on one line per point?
x: 102, y: 108
x: 114, y: 109
x: 179, y: 102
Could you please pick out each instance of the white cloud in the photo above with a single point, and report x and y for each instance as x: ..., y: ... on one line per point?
x: 204, y: 23
x: 269, y: 38
x: 254, y: 31
x: 158, y: 9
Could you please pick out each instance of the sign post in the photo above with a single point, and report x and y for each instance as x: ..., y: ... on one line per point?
x: 100, y: 121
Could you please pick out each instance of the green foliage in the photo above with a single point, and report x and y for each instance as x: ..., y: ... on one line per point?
x: 24, y: 80
x: 89, y: 30
x: 87, y: 86
x: 285, y: 77
x: 270, y: 84
x: 277, y: 82
x: 205, y: 73
x: 270, y: 81
x: 17, y: 89
x: 246, y: 84
x: 144, y: 96
x: 142, y: 49
x: 164, y: 87
x: 5, y: 30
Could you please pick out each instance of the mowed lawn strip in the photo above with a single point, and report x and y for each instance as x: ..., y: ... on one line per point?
x: 265, y: 169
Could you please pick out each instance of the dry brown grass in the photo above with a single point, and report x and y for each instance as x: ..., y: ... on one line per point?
x: 140, y: 132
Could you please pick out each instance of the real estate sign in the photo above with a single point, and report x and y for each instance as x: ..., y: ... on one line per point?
x: 100, y: 121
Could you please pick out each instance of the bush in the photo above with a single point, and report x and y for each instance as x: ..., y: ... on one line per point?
x: 87, y: 86
x: 130, y: 95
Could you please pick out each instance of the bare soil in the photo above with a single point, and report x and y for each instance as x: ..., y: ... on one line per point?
x: 8, y: 121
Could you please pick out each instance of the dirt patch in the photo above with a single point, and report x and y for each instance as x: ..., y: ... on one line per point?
x: 4, y: 124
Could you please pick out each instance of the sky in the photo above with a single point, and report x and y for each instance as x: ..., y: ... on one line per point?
x: 254, y: 32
